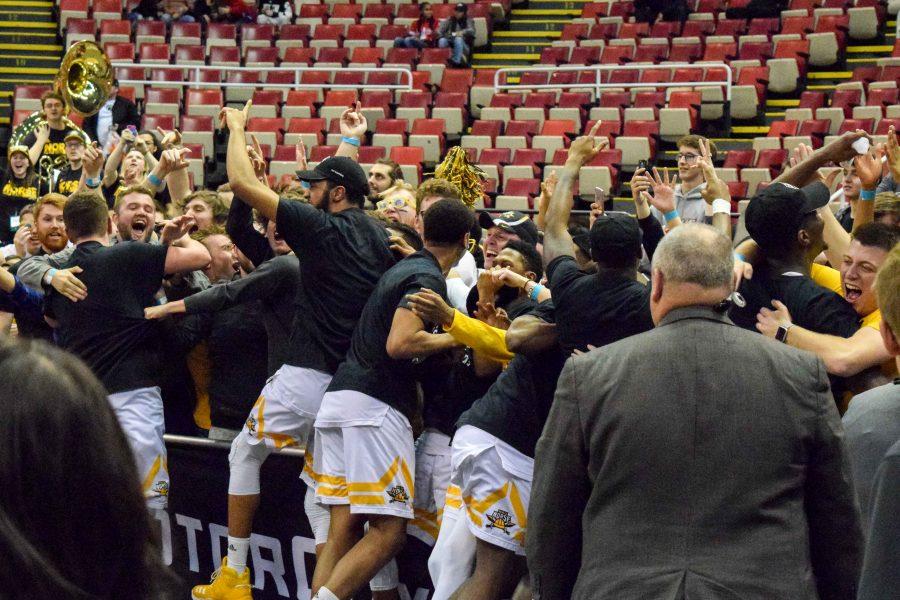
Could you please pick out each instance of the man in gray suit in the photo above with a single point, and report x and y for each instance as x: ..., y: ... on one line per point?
x: 697, y: 460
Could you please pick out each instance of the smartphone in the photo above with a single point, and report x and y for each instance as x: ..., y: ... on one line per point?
x: 642, y: 164
x: 599, y: 195
x: 14, y: 223
x: 132, y: 129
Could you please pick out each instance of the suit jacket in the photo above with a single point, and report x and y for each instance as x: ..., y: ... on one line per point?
x: 696, y: 461
x: 124, y: 113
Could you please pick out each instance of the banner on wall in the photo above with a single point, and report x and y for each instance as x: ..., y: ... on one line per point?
x: 194, y: 528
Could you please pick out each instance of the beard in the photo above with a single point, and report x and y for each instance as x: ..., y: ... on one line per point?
x: 54, y: 243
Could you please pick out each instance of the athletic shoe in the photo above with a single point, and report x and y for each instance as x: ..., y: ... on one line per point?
x: 226, y: 585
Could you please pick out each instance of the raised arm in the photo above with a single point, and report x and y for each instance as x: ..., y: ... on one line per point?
x: 557, y: 241
x: 184, y: 253
x: 868, y: 167
x: 40, y: 138
x: 353, y: 132
x: 837, y: 151
x: 172, y: 165
x: 111, y: 170
x: 716, y: 192
x: 241, y: 175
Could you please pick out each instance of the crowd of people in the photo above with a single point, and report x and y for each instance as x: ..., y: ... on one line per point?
x: 491, y: 405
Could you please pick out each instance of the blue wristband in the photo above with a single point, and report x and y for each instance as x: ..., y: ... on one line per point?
x: 536, y: 291
x: 93, y: 183
x: 154, y: 180
x: 867, y: 195
x: 740, y: 257
x: 351, y: 141
x: 672, y: 214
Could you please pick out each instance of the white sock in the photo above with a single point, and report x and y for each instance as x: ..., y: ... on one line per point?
x: 237, y: 553
x: 325, y: 594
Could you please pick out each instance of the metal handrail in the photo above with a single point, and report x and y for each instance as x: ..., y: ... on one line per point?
x: 598, y: 85
x: 200, y: 442
x: 298, y: 74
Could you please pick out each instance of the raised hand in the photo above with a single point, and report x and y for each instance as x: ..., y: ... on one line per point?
x: 715, y: 187
x: 596, y: 211
x: 302, y: 165
x: 127, y: 136
x: 173, y: 160
x: 353, y: 122
x: 585, y: 148
x: 549, y: 185
x: 508, y: 278
x: 234, y: 119
x: 842, y: 149
x: 170, y: 139
x: 487, y: 287
x: 640, y: 182
x: 868, y: 168
x: 663, y: 197
x: 256, y: 158
x: 893, y: 154
x: 92, y: 161
x: 176, y: 229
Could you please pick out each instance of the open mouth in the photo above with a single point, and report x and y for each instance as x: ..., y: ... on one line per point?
x: 139, y: 226
x: 851, y: 293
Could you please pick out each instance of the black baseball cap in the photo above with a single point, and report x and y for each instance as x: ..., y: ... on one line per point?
x: 615, y: 234
x: 512, y: 221
x: 462, y: 7
x: 774, y: 215
x: 341, y: 171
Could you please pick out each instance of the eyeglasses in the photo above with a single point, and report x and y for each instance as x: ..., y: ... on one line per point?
x: 398, y: 203
x: 688, y: 158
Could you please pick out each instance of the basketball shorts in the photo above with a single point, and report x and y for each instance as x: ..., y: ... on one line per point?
x: 363, y: 455
x: 284, y: 413
x: 493, y: 480
x: 140, y: 414
x: 433, y: 454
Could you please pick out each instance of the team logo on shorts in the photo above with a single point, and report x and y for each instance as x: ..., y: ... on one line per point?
x: 398, y: 494
x: 500, y: 519
x: 251, y: 425
x: 161, y: 488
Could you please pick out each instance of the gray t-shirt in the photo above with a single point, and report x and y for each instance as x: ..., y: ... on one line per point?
x: 872, y: 425
x: 691, y: 206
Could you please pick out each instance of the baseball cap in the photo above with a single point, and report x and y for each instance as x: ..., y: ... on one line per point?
x: 18, y: 149
x: 615, y: 233
x: 72, y: 134
x: 514, y: 222
x: 462, y: 7
x: 774, y: 215
x: 341, y: 171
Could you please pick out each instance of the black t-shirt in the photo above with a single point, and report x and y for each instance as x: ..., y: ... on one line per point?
x: 13, y: 196
x: 449, y: 388
x: 516, y: 406
x: 54, y: 147
x: 342, y: 256
x: 811, y: 306
x: 67, y: 182
x: 596, y: 309
x: 108, y: 329
x: 368, y: 368
x: 109, y: 192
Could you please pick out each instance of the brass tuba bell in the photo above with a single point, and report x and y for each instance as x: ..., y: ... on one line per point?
x: 84, y: 80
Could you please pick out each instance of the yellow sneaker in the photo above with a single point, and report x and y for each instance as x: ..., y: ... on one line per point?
x: 226, y: 585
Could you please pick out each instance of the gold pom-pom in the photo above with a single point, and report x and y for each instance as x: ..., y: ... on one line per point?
x: 456, y: 169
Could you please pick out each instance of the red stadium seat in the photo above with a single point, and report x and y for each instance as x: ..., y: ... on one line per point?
x: 738, y: 159
x: 781, y: 129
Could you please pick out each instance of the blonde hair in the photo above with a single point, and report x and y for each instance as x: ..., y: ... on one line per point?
x: 886, y: 284
x: 57, y: 200
x: 436, y: 187
x: 206, y: 232
x: 212, y: 199
x: 137, y: 188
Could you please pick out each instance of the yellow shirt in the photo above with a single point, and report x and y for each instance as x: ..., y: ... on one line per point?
x: 831, y: 279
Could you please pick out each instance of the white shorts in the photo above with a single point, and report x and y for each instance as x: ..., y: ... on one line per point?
x: 433, y: 454
x: 364, y: 455
x: 494, y: 482
x: 284, y: 413
x: 140, y: 414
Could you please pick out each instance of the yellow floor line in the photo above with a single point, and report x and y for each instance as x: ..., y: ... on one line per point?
x: 865, y: 49
x: 526, y: 34
x: 30, y: 34
x: 545, y: 12
x: 28, y: 70
x: 857, y: 61
x: 47, y: 47
x: 519, y: 44
x: 510, y: 56
x: 750, y: 129
x: 27, y: 25
x: 775, y: 114
x: 821, y: 87
x: 831, y: 75
x: 783, y: 103
x: 31, y: 56
x: 28, y: 82
x: 27, y: 3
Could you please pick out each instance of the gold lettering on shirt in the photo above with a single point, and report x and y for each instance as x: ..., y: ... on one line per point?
x: 54, y: 148
x: 67, y: 187
x: 20, y: 191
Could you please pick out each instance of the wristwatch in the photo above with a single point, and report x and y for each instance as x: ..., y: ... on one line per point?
x: 782, y: 332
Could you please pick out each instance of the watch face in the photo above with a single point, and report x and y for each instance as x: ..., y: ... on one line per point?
x: 781, y: 334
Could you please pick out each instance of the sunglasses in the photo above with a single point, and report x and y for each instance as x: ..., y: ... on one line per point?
x: 398, y: 203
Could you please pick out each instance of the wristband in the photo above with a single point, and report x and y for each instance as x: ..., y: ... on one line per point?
x: 48, y: 277
x: 351, y: 141
x: 740, y: 257
x: 535, y: 292
x: 867, y: 195
x: 671, y: 215
x: 93, y: 183
x: 720, y: 205
x: 154, y: 180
